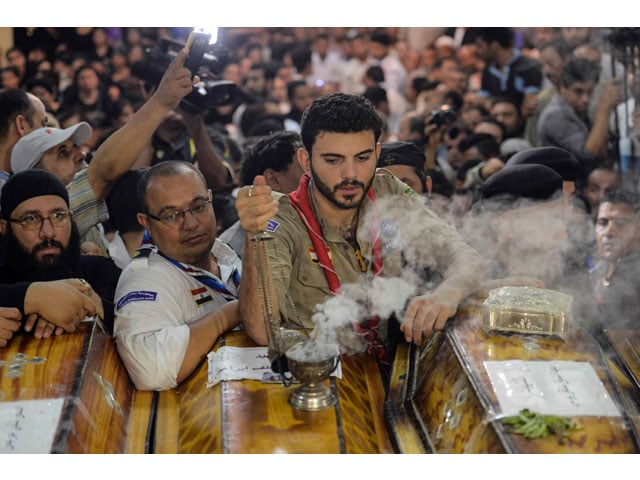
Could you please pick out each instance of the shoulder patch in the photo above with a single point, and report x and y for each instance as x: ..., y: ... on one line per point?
x: 201, y: 296
x: 139, y: 296
x: 272, y: 226
x: 409, y: 192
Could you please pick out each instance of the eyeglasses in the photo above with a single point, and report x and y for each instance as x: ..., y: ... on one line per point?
x: 176, y: 217
x: 34, y: 221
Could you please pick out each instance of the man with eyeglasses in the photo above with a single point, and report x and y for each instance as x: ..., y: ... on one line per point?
x: 61, y: 151
x: 44, y: 277
x: 180, y: 293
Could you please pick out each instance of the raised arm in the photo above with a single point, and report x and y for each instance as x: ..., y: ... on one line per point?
x: 121, y: 150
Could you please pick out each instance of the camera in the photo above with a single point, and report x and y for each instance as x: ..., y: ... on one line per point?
x: 209, y: 93
x: 444, y: 116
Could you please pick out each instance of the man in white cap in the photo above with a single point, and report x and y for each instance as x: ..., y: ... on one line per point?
x: 57, y: 151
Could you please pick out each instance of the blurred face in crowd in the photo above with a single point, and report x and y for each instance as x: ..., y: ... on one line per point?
x: 490, y: 128
x: 9, y: 79
x: 301, y: 98
x: 617, y: 230
x: 279, y: 89
x: 232, y: 73
x: 507, y: 113
x: 552, y: 64
x: 88, y: 79
x: 576, y: 35
x: 599, y: 182
x: 454, y: 155
x: 578, y: 95
x: 17, y: 59
x: 256, y: 83
x: 408, y: 175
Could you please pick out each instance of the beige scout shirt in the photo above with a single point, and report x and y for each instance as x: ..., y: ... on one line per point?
x: 300, y: 283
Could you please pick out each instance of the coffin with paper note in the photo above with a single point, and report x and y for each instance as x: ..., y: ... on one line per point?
x: 69, y: 394
x: 234, y: 403
x: 461, y: 386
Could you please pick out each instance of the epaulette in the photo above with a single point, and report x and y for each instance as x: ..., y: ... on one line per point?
x: 141, y: 259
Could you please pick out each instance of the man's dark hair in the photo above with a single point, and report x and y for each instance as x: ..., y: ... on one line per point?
x: 275, y: 151
x: 375, y: 95
x: 14, y: 102
x: 122, y: 202
x: 441, y: 184
x: 301, y: 57
x: 339, y: 113
x: 292, y: 85
x: 579, y: 70
x: 560, y: 45
x: 375, y: 73
x: 505, y: 98
x: 166, y: 168
x: 381, y: 38
x: 497, y: 123
x: 420, y: 84
x: 503, y: 35
x: 486, y: 144
x: 269, y: 69
x: 11, y: 68
x: 454, y: 99
x: 623, y: 196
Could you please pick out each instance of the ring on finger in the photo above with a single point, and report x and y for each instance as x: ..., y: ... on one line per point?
x: 250, y: 191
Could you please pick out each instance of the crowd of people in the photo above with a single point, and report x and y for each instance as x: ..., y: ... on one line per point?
x: 454, y: 160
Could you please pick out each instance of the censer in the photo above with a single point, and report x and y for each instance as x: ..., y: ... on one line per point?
x: 291, y: 352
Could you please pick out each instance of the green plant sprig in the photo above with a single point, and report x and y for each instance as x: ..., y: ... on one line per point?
x: 534, y: 425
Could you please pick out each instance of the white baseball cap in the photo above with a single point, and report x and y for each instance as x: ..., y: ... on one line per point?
x: 30, y: 148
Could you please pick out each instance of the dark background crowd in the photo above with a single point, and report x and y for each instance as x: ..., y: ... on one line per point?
x: 467, y: 98
x: 102, y: 75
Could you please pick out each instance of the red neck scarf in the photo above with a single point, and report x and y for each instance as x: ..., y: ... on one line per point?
x: 302, y: 204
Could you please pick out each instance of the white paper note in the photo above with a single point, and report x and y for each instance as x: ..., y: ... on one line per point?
x: 29, y: 426
x: 236, y: 363
x: 562, y: 388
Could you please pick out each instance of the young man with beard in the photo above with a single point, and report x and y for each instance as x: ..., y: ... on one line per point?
x: 42, y: 248
x: 179, y: 295
x: 323, y: 238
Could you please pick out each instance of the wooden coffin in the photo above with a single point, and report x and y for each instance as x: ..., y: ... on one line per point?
x: 70, y: 394
x: 443, y: 392
x: 249, y: 416
x: 624, y: 348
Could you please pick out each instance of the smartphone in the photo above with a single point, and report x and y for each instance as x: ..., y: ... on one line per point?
x: 197, y: 43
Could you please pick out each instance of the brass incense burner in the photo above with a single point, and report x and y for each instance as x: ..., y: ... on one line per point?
x: 312, y: 363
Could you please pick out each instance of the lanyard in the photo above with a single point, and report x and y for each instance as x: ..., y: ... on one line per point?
x: 302, y: 204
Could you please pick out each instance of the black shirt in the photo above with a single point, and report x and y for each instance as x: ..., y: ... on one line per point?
x: 101, y: 273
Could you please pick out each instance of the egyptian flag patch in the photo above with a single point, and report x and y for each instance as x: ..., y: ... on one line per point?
x: 201, y: 295
x: 314, y: 257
